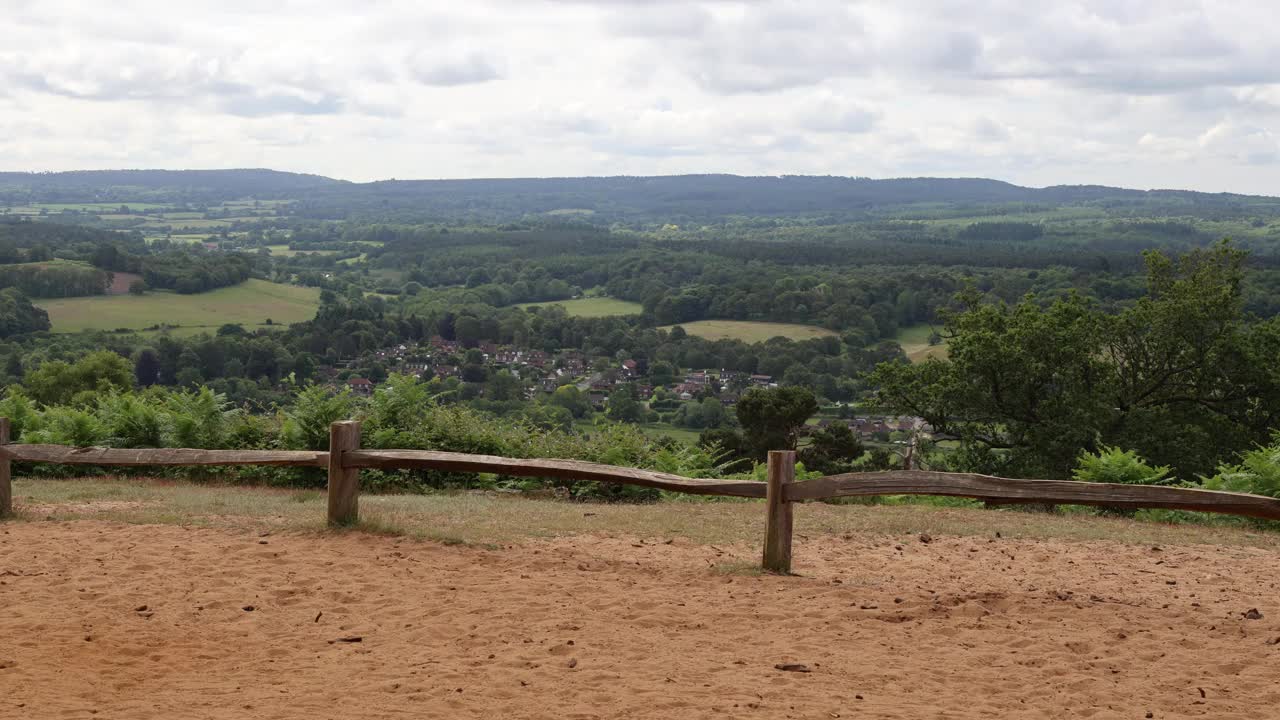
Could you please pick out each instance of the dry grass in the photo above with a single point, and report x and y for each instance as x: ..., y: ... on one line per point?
x: 750, y: 331
x: 488, y: 519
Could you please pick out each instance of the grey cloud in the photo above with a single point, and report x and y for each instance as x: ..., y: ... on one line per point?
x: 248, y: 104
x: 657, y: 21
x: 988, y: 130
x: 467, y: 70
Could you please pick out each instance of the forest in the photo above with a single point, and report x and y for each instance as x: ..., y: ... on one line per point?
x: 1058, y: 332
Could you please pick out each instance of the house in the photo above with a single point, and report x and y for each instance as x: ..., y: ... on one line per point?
x: 361, y: 386
x: 629, y: 368
x: 761, y: 380
x: 696, y: 378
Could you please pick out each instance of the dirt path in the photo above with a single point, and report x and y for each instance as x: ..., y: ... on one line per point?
x: 117, y: 621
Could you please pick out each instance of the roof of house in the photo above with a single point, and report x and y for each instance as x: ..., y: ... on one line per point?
x: 359, y: 381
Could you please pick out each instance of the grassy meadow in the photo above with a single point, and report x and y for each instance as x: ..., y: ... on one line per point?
x: 249, y: 303
x: 284, y: 251
x: 915, y: 343
x: 593, y: 306
x: 751, y: 332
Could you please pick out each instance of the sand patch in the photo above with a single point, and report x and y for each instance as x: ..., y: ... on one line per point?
x: 161, y: 622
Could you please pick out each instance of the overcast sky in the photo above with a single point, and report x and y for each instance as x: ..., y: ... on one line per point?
x: 1140, y: 93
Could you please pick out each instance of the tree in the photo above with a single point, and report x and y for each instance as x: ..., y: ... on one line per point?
x: 771, y: 418
x: 138, y: 287
x: 504, y: 387
x: 468, y: 330
x: 59, y: 383
x: 146, y: 368
x: 662, y: 373
x: 13, y: 366
x: 623, y: 406
x: 1180, y: 377
x: 572, y: 399
x: 18, y: 316
x: 832, y: 450
x: 473, y: 373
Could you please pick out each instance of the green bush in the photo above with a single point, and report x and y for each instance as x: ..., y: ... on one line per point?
x: 1124, y: 467
x: 401, y: 414
x: 1258, y: 472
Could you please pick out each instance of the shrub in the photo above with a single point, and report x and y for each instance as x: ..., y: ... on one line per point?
x: 1258, y: 472
x: 1125, y: 467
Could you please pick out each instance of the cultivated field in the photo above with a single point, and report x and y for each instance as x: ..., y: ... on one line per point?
x: 915, y: 343
x: 751, y: 332
x: 284, y: 251
x: 249, y: 303
x: 593, y: 306
x: 237, y: 605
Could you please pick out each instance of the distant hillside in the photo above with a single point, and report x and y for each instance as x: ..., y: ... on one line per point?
x: 678, y: 198
x: 156, y: 185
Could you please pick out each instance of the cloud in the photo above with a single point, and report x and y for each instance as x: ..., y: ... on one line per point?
x: 987, y: 130
x: 1242, y: 142
x: 467, y: 69
x: 1035, y: 91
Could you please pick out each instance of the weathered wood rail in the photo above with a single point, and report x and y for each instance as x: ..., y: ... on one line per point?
x: 344, y: 459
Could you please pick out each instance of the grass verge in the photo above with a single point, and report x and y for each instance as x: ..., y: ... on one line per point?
x: 489, y: 518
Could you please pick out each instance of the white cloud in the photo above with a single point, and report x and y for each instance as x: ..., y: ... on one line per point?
x: 1177, y: 93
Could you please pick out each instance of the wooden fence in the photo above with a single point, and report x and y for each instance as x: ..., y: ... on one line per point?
x: 345, y: 458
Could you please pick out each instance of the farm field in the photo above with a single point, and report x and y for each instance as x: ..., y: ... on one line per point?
x: 1015, y: 614
x: 284, y: 251
x: 915, y: 343
x: 751, y: 332
x: 593, y: 306
x: 249, y: 303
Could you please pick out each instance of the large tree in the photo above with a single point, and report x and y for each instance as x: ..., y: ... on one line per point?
x: 771, y: 418
x: 59, y: 383
x: 1181, y: 375
x: 18, y: 315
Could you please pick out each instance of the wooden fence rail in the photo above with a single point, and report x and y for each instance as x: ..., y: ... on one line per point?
x: 345, y: 458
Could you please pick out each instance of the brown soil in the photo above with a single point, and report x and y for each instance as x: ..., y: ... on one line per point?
x: 121, y: 281
x: 121, y: 621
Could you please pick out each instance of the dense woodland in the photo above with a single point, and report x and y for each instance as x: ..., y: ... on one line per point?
x: 1080, y: 322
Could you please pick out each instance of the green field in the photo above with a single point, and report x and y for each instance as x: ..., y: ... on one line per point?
x: 249, y: 303
x: 915, y: 343
x: 751, y: 332
x: 284, y: 251
x: 593, y: 307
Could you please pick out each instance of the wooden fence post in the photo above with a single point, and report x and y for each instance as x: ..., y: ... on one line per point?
x: 777, y: 538
x: 344, y: 483
x: 6, y: 476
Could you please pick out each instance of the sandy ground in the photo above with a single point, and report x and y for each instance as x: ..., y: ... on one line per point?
x: 117, y: 621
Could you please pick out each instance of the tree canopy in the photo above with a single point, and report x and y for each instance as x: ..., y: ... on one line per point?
x: 1182, y: 375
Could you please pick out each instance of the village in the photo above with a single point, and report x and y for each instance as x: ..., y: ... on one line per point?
x: 542, y: 373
